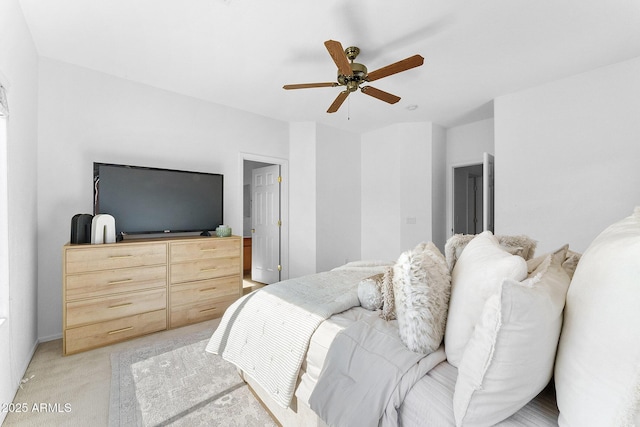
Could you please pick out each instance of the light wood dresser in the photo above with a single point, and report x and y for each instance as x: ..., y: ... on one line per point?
x: 118, y: 291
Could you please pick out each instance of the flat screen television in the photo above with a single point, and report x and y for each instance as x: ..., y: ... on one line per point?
x: 150, y: 200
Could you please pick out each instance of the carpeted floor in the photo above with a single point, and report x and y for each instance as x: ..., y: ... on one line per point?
x: 75, y: 390
x: 176, y: 382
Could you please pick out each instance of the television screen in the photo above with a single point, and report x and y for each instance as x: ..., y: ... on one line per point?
x: 151, y: 200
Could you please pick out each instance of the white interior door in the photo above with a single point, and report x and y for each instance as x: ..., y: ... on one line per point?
x: 488, y: 192
x: 265, y: 220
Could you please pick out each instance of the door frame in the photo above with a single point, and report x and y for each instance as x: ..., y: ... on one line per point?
x: 284, y: 202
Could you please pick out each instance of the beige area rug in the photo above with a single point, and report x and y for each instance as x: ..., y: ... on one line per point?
x: 177, y: 383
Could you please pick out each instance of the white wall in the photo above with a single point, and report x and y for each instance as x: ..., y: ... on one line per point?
x: 302, y: 195
x: 438, y: 186
x: 18, y: 72
x: 465, y: 146
x: 88, y: 116
x: 324, y: 198
x: 400, y: 172
x: 567, y: 156
x: 337, y: 198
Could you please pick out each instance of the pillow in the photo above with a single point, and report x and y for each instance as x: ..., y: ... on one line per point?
x: 569, y: 263
x: 421, y: 289
x: 370, y: 292
x: 597, y: 372
x: 477, y: 275
x: 388, y: 302
x: 515, y: 245
x: 509, y: 358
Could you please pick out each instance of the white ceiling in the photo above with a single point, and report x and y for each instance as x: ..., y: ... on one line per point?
x: 241, y: 52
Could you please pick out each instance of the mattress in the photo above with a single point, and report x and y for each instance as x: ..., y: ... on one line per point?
x: 430, y: 403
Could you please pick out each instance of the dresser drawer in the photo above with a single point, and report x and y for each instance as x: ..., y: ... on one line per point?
x: 99, y: 283
x: 205, y: 269
x: 112, y: 307
x: 194, y: 292
x: 119, y: 255
x: 104, y: 333
x: 204, y: 310
x: 221, y: 247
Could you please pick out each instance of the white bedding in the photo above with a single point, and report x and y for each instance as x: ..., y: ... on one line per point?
x: 366, y: 375
x: 319, y: 346
x: 266, y: 333
x: 430, y: 401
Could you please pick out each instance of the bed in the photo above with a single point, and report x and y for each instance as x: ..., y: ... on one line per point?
x: 281, y: 336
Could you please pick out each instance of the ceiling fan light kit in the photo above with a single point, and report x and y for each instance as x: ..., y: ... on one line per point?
x: 352, y: 74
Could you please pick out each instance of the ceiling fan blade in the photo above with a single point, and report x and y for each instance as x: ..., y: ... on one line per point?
x: 309, y: 85
x: 380, y: 94
x: 396, y: 67
x: 339, y: 57
x: 338, y: 101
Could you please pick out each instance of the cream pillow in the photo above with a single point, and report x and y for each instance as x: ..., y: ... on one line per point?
x: 509, y: 358
x: 388, y: 302
x: 569, y: 263
x: 597, y: 372
x: 421, y: 288
x: 477, y: 275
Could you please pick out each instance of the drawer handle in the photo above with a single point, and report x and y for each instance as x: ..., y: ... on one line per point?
x: 208, y: 250
x: 117, y: 331
x: 208, y: 309
x: 118, y: 282
x: 206, y: 270
x: 120, y: 256
x: 121, y: 305
x: 213, y: 288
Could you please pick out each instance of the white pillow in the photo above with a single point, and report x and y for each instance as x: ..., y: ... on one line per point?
x: 477, y: 275
x: 370, y: 292
x: 597, y: 371
x: 421, y: 289
x: 509, y: 358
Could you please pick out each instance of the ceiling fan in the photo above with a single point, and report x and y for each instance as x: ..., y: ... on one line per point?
x: 352, y: 75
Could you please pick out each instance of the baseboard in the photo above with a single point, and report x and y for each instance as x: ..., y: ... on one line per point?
x: 50, y: 338
x: 25, y: 364
x: 22, y: 369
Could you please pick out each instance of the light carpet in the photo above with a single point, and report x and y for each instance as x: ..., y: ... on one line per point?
x: 177, y: 383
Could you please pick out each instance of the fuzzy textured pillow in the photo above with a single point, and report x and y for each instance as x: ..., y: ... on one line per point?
x: 421, y: 288
x: 515, y: 245
x: 370, y: 292
x: 597, y: 373
x: 509, y: 358
x: 478, y: 274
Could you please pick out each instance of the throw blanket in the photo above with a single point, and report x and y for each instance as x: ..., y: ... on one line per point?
x: 367, y: 374
x: 266, y: 333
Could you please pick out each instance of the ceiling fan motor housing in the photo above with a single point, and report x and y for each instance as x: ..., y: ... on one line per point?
x: 353, y: 81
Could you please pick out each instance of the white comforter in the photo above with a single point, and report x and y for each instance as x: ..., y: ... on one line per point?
x: 266, y: 333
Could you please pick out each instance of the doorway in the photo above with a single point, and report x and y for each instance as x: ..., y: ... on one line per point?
x: 467, y: 199
x: 264, y: 221
x: 473, y: 197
